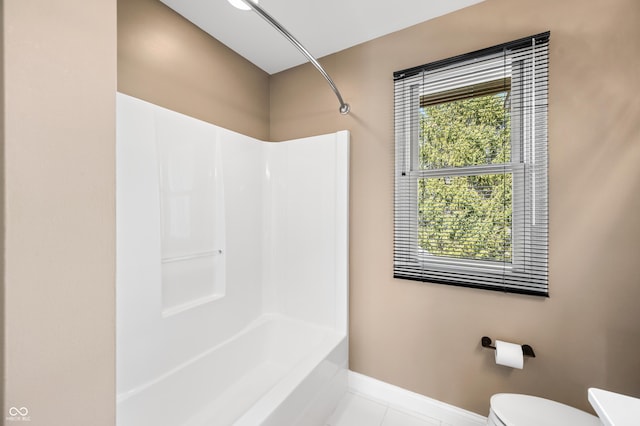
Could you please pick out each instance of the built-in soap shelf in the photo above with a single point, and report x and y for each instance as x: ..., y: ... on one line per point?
x: 192, y: 212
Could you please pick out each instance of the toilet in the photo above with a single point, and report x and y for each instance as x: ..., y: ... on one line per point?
x: 509, y: 409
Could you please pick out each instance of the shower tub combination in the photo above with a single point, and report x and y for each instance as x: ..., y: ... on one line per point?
x: 231, y: 273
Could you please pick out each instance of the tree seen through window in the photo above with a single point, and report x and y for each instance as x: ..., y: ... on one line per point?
x: 467, y: 215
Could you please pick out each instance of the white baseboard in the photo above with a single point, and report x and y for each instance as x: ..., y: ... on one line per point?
x: 411, y: 401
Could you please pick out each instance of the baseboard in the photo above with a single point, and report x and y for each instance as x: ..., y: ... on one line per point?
x: 413, y: 402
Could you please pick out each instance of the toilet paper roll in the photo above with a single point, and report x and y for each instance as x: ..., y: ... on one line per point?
x: 509, y: 354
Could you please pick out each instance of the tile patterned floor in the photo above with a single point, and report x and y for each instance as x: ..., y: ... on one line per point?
x: 357, y: 410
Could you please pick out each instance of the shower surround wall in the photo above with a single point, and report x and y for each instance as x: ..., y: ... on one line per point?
x: 258, y: 333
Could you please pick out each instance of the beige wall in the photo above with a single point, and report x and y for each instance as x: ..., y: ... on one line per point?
x: 2, y: 180
x: 59, y: 183
x: 166, y: 60
x: 426, y: 337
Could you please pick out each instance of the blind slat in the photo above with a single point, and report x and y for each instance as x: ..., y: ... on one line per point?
x: 471, y: 202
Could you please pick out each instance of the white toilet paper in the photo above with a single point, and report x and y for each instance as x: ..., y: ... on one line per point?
x: 509, y: 354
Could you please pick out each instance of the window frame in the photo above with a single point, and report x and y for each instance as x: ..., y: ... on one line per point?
x: 408, y: 169
x: 415, y: 173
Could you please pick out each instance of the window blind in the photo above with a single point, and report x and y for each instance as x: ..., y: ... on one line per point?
x: 471, y: 203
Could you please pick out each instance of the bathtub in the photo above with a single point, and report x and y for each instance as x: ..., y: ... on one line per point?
x: 278, y: 371
x: 248, y: 327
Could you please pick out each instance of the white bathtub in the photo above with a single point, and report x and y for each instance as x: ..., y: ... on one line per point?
x: 257, y: 336
x: 278, y: 371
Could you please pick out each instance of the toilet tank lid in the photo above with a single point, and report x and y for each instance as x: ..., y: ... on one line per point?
x: 525, y: 410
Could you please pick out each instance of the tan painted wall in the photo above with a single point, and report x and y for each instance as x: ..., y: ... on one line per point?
x: 426, y: 337
x: 2, y: 180
x: 166, y: 60
x: 59, y: 205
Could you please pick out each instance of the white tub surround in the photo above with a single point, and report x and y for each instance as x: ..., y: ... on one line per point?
x: 231, y: 273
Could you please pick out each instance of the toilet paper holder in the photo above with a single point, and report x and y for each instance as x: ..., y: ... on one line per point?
x: 526, y: 349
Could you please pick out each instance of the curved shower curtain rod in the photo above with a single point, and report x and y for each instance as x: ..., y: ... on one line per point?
x: 344, y: 107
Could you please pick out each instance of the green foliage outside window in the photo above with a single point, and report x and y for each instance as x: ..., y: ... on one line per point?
x: 466, y: 217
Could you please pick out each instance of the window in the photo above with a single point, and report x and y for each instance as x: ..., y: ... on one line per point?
x: 471, y: 203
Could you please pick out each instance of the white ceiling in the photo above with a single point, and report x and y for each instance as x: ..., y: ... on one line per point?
x: 322, y: 26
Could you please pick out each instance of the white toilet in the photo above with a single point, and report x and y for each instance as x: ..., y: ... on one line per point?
x: 509, y: 409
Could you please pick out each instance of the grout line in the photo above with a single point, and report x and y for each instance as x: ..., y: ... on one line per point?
x: 412, y: 403
x: 386, y: 410
x: 388, y: 406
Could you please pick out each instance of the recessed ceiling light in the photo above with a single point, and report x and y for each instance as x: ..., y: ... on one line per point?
x: 241, y: 5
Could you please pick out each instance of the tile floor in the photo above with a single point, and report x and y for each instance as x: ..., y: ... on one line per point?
x: 358, y: 410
